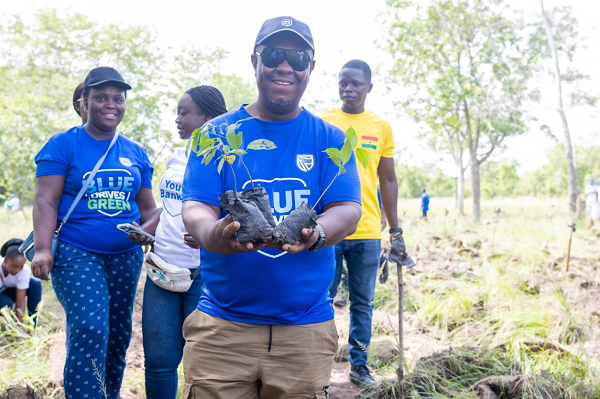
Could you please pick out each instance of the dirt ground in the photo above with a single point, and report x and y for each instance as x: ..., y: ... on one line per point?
x: 441, y: 258
x: 417, y: 344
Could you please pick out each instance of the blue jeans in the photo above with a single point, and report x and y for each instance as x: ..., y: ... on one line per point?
x: 97, y: 293
x: 162, y: 321
x: 362, y: 262
x: 34, y: 296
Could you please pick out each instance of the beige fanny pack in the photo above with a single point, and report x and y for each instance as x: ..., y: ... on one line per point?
x: 167, y: 275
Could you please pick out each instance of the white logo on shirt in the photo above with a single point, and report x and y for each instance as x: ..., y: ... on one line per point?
x: 125, y: 161
x: 305, y: 162
x: 283, y: 202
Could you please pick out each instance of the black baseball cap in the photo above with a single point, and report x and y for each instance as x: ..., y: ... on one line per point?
x: 102, y: 75
x: 283, y: 24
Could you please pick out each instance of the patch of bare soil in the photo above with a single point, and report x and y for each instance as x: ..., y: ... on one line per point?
x: 57, y: 352
x: 340, y: 386
x: 133, y: 379
x: 496, y: 387
x: 383, y: 349
x: 19, y: 392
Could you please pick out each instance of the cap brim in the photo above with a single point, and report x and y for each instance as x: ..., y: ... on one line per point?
x: 115, y: 82
x: 285, y: 30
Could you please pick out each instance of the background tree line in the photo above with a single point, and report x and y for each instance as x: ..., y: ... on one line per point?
x: 501, y: 179
x: 42, y: 60
x: 463, y: 70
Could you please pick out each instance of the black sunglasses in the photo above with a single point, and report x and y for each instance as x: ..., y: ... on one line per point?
x: 298, y: 60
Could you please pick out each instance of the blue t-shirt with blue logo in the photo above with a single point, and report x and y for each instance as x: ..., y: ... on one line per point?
x: 272, y: 286
x: 110, y: 197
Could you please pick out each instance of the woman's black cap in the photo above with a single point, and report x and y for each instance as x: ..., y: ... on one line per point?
x: 102, y: 75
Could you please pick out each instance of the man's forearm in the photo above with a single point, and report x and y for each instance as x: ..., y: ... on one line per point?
x: 198, y: 219
x: 339, y: 221
x: 389, y: 200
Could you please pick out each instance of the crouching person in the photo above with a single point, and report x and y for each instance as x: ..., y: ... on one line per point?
x: 17, y: 286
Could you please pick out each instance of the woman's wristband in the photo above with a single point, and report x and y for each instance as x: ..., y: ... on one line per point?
x: 394, y: 230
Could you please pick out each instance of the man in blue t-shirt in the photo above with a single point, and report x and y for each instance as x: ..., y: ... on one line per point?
x: 424, y: 203
x: 264, y: 322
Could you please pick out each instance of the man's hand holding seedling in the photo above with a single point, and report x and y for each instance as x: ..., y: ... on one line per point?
x: 308, y: 238
x: 214, y: 234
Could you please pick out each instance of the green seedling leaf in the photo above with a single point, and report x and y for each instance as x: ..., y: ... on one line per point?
x: 363, y: 157
x: 233, y: 127
x: 352, y: 137
x: 209, y: 155
x: 350, y: 143
x: 234, y: 139
x: 335, y: 155
x: 229, y: 148
x: 341, y: 157
x: 205, y: 141
x: 194, y: 140
x: 346, y: 152
x: 261, y: 144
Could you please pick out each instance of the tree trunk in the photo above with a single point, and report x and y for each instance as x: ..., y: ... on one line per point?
x: 475, y: 186
x: 473, y: 141
x: 460, y: 191
x: 572, y: 169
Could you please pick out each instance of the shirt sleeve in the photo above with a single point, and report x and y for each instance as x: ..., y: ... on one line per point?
x: 147, y: 170
x: 23, y: 278
x: 202, y: 182
x: 388, y: 141
x: 51, y: 160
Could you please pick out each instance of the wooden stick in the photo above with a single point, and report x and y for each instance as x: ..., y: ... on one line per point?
x: 400, y: 370
x: 572, y: 226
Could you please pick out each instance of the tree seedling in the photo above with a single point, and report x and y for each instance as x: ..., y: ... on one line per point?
x: 497, y: 212
x: 290, y: 229
x: 252, y: 207
x: 572, y: 230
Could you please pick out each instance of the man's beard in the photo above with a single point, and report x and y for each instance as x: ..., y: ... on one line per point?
x: 281, y: 103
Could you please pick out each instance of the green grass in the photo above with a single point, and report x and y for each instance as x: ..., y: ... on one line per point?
x: 23, y: 352
x: 496, y: 305
x: 509, y: 311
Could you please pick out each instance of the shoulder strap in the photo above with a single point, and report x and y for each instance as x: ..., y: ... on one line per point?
x: 87, y: 182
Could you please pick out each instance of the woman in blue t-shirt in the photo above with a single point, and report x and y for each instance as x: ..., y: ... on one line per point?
x: 96, y: 267
x: 164, y: 311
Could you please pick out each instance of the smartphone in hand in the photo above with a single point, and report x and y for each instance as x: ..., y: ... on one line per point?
x: 129, y: 228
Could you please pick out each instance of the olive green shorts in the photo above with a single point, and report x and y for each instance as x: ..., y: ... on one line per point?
x: 226, y: 359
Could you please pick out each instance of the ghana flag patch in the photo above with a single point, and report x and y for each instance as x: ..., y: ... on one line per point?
x: 369, y: 142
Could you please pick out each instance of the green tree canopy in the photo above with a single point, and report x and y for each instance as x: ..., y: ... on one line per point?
x: 463, y: 66
x: 43, y: 59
